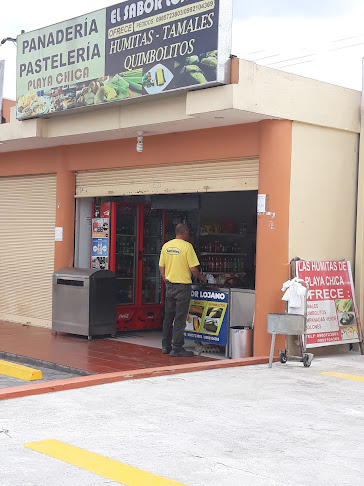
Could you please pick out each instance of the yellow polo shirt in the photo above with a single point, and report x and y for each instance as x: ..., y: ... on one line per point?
x: 178, y: 256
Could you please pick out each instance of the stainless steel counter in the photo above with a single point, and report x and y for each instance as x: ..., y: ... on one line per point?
x: 242, y: 305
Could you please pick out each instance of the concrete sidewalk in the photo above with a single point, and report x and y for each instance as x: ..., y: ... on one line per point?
x: 250, y: 426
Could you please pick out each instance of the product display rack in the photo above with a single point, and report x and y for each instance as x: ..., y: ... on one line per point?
x: 137, y: 234
x: 223, y: 254
x: 203, y: 253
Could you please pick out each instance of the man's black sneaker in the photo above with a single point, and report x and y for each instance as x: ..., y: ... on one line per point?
x: 166, y: 350
x: 182, y: 353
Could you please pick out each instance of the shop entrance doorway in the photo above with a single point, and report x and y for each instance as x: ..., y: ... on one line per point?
x: 223, y: 233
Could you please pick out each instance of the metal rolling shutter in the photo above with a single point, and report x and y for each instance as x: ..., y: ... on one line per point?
x: 216, y: 176
x: 27, y: 222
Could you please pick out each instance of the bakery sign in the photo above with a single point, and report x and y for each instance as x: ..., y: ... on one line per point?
x: 126, y: 51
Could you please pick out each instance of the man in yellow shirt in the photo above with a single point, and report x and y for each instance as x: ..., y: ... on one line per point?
x: 178, y: 261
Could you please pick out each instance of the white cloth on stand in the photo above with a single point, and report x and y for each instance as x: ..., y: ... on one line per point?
x: 294, y: 295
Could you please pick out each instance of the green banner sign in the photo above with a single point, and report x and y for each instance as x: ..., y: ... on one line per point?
x: 129, y: 50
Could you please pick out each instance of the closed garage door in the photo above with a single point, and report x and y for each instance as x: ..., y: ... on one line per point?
x: 213, y: 176
x: 27, y: 221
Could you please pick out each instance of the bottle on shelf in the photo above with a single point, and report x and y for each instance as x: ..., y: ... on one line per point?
x: 242, y: 228
x: 130, y: 294
x: 217, y: 265
x: 147, y: 291
x: 211, y: 264
x: 225, y: 265
x: 206, y: 265
x: 152, y: 266
x: 240, y: 264
x: 231, y: 265
x: 228, y: 264
x: 203, y: 265
x: 147, y: 267
x: 146, y: 227
x: 130, y: 270
x: 152, y: 292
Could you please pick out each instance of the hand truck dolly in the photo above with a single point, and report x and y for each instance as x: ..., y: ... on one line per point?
x: 290, y: 325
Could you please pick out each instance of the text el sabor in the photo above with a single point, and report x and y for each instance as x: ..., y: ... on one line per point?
x: 141, y: 7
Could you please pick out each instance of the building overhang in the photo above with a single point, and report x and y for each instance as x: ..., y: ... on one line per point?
x: 260, y: 94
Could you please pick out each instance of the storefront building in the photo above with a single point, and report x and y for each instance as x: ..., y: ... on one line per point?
x: 292, y: 140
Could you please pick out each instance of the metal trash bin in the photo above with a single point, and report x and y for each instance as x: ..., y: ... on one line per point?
x: 241, y: 342
x: 84, y: 302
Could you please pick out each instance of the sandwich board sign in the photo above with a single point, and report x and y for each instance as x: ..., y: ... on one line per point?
x: 332, y: 314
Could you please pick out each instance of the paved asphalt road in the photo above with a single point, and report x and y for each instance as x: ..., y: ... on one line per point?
x: 250, y: 426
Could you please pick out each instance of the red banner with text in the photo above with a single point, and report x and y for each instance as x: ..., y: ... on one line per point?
x: 332, y: 316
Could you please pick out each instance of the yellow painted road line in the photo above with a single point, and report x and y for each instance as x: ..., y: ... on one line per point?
x: 19, y: 371
x: 103, y: 466
x: 345, y: 376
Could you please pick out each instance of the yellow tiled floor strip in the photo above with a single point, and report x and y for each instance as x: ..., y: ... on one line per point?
x: 345, y: 376
x: 19, y: 371
x: 103, y: 466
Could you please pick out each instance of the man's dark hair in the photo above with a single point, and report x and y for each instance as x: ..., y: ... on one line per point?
x: 181, y: 228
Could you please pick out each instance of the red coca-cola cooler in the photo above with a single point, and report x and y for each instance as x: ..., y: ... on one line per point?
x: 136, y: 238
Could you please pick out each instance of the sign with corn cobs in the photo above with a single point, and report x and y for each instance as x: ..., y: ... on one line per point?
x: 332, y: 314
x: 129, y: 50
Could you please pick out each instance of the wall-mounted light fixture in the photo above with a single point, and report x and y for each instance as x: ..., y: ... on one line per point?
x: 8, y: 39
x: 11, y: 39
x: 139, y: 145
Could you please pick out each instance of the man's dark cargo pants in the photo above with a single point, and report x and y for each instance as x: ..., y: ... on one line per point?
x: 177, y: 303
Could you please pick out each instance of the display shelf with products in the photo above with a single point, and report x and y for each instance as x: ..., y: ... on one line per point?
x: 226, y: 227
x: 219, y: 246
x: 217, y: 264
x: 152, y: 243
x: 228, y: 273
x: 222, y: 253
x: 137, y: 235
x: 224, y: 250
x: 125, y: 253
x: 240, y: 235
